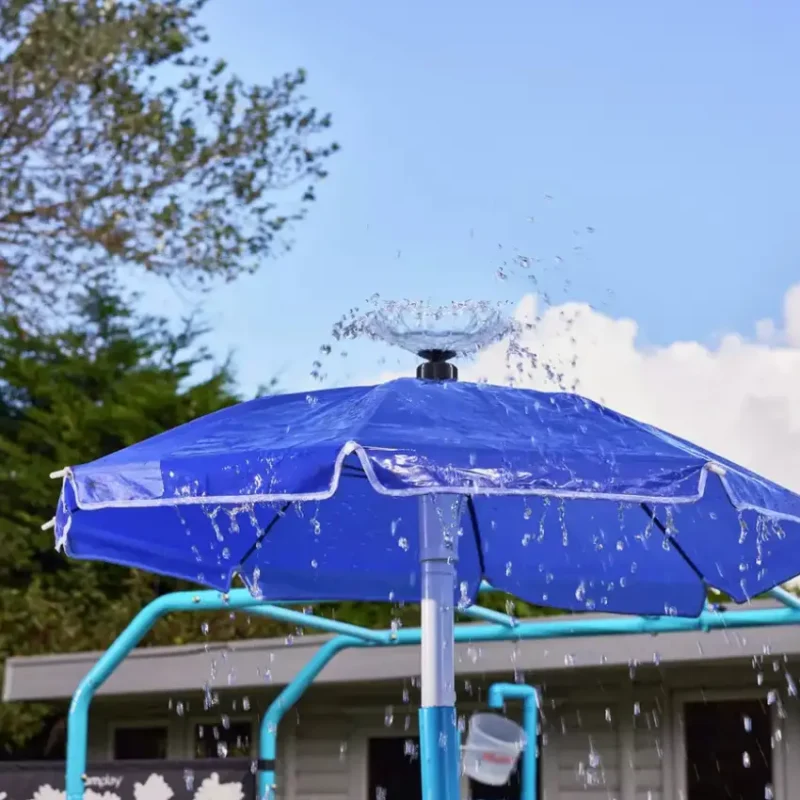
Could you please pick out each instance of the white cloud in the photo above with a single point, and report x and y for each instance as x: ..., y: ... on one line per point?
x: 740, y: 398
x: 791, y: 311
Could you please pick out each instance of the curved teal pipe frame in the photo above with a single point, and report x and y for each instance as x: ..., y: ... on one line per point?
x: 498, y: 694
x: 78, y: 717
x: 503, y: 629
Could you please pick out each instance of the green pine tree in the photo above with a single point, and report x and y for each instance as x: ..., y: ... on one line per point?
x: 106, y: 379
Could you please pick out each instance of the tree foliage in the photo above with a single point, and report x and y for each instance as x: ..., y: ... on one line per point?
x: 108, y: 378
x: 122, y: 144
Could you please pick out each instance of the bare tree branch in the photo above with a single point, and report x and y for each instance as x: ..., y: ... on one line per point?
x: 103, y: 167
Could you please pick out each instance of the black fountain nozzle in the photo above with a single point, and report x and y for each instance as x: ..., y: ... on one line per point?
x: 437, y: 366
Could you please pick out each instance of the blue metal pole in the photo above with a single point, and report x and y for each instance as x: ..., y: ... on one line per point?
x: 439, y: 517
x: 300, y: 619
x: 77, y: 727
x: 488, y: 615
x: 621, y: 626
x: 787, y: 598
x: 524, y: 630
x: 78, y: 717
x: 349, y: 636
x: 268, y: 737
x: 498, y: 694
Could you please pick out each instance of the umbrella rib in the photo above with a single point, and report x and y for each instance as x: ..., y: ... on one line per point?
x: 473, y: 516
x: 357, y: 472
x: 657, y: 522
x: 261, y: 536
x: 354, y: 471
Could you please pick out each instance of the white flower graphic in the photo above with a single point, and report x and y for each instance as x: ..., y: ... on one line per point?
x: 47, y: 792
x: 212, y: 789
x: 154, y: 788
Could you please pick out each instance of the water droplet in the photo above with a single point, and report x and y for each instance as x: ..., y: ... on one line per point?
x: 388, y: 717
x: 410, y: 749
x: 179, y: 708
x: 745, y: 759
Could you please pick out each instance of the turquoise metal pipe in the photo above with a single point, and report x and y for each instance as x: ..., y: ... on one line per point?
x: 77, y: 727
x: 237, y: 599
x: 488, y: 615
x: 524, y: 630
x: 292, y: 692
x: 321, y: 623
x: 787, y: 598
x: 498, y: 694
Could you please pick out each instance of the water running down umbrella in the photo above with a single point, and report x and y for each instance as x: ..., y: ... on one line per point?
x: 415, y: 490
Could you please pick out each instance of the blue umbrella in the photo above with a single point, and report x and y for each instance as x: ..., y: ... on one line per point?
x: 416, y: 490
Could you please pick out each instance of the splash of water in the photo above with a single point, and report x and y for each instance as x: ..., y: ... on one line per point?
x: 462, y: 328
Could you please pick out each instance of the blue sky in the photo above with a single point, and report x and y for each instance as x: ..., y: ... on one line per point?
x: 670, y: 128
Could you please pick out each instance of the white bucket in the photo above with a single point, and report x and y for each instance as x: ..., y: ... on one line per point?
x: 492, y: 749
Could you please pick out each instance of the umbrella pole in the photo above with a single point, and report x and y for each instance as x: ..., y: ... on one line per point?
x: 439, y: 741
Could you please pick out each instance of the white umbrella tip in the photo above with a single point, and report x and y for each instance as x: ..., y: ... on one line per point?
x: 716, y: 469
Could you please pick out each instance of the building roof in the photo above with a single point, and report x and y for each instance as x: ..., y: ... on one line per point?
x: 186, y: 668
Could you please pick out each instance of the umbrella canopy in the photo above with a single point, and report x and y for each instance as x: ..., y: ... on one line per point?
x: 315, y: 496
